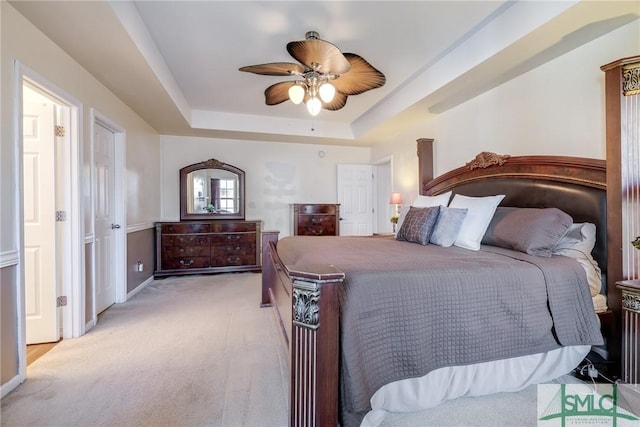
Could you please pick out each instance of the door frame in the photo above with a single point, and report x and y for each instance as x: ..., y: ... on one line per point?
x: 120, y: 255
x: 72, y: 233
x: 379, y: 198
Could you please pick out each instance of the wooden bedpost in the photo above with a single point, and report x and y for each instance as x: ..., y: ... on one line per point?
x: 315, y: 334
x: 622, y: 97
x: 425, y: 162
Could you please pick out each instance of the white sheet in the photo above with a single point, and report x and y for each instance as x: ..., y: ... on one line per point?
x: 416, y: 394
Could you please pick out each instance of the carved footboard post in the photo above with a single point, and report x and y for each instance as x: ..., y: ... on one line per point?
x: 315, y: 345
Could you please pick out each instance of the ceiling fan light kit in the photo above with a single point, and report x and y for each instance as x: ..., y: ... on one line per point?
x: 327, y: 75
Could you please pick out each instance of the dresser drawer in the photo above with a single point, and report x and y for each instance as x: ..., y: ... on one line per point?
x: 169, y: 263
x: 183, y: 228
x: 185, y: 251
x: 230, y: 227
x: 317, y: 209
x: 317, y: 225
x: 184, y: 240
x: 237, y: 249
x: 225, y: 260
x: 232, y: 238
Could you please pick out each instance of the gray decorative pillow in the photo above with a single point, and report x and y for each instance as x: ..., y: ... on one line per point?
x: 448, y: 226
x: 530, y: 230
x: 418, y: 225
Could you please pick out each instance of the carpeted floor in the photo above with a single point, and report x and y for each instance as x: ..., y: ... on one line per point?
x: 183, y: 352
x: 196, y: 351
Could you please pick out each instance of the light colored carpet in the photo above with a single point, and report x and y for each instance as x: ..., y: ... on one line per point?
x: 196, y: 351
x: 183, y: 352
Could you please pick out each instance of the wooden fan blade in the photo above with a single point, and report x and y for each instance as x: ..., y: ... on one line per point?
x: 275, y: 69
x: 339, y: 100
x: 329, y: 58
x: 361, y: 78
x: 277, y: 93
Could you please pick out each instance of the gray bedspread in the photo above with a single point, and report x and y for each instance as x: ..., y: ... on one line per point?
x: 408, y: 309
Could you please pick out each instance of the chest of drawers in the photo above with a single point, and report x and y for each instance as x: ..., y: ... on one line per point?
x: 207, y: 247
x: 316, y: 219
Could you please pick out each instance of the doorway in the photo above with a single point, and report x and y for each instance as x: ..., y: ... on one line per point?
x: 52, y: 202
x: 363, y: 193
x: 383, y: 187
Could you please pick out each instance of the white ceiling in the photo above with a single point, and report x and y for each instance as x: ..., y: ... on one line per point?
x: 176, y: 62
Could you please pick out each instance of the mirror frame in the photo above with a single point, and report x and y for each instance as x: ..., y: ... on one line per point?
x: 210, y: 164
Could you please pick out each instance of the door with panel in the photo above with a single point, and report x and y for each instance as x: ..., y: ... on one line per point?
x: 39, y: 198
x: 355, y: 196
x: 104, y: 210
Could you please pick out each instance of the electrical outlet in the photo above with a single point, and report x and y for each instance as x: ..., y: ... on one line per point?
x: 140, y: 266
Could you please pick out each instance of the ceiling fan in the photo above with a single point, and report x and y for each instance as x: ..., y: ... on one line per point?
x: 328, y: 76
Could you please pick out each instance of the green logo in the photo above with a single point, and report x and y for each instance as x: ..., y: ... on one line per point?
x: 616, y: 405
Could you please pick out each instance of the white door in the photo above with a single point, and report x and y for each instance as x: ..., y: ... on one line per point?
x: 355, y: 195
x: 40, y: 222
x: 105, y: 226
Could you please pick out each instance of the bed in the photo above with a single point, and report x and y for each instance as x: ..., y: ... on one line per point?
x: 376, y: 324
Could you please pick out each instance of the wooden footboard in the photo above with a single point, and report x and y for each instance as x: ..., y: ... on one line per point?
x: 306, y: 303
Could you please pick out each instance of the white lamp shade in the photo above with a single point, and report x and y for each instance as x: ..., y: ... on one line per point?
x: 314, y: 106
x: 296, y: 94
x: 327, y: 92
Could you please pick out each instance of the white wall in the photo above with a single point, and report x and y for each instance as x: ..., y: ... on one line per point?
x: 555, y: 109
x: 276, y: 174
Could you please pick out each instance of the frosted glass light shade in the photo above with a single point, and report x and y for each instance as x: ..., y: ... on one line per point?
x: 327, y: 92
x: 314, y: 106
x: 296, y: 94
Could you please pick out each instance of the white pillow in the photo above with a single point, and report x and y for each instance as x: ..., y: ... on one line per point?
x: 577, y: 243
x: 430, y: 201
x: 424, y: 202
x: 480, y: 210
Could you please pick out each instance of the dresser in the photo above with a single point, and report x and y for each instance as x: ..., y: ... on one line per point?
x: 316, y: 219
x: 196, y: 247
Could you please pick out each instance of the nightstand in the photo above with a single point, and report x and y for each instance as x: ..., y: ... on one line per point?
x: 630, y: 292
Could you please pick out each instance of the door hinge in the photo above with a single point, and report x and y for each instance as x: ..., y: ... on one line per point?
x: 61, y: 301
x: 61, y: 216
x: 59, y: 130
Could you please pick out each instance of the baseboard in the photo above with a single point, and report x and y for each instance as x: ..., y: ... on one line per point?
x: 89, y: 325
x: 9, y: 386
x: 140, y: 287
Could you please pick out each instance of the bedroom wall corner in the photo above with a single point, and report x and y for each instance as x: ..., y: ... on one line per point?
x: 554, y: 109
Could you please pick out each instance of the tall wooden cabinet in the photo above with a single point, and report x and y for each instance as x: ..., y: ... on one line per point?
x: 196, y: 247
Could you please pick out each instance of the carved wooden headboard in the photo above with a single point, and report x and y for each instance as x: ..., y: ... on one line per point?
x: 575, y: 185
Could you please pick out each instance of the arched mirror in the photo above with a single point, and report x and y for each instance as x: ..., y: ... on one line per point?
x: 211, y: 190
